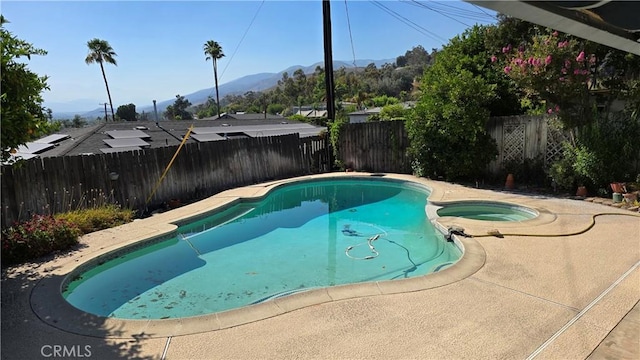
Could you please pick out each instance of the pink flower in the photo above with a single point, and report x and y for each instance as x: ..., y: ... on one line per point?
x: 576, y: 72
x: 592, y: 59
x: 493, y: 58
x: 555, y: 33
x: 561, y: 78
x: 517, y: 61
x: 564, y: 71
x: 585, y: 72
x: 580, y: 56
x: 550, y: 111
x: 547, y: 61
x: 562, y: 44
x: 557, y: 108
x: 507, y: 69
x: 567, y: 63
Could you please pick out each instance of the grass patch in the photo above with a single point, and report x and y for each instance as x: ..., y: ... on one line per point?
x: 99, y: 218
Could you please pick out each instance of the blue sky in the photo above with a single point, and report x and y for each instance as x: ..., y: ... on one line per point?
x: 159, y: 43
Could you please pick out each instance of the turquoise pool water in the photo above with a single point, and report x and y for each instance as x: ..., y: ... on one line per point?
x: 301, y: 236
x: 487, y: 211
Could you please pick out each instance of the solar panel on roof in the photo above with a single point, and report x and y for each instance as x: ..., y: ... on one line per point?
x: 34, y: 148
x: 237, y: 129
x: 309, y: 134
x: 18, y: 156
x: 301, y: 132
x: 128, y: 134
x: 119, y: 149
x: 207, y: 137
x: 23, y: 156
x: 51, y: 139
x: 120, y: 143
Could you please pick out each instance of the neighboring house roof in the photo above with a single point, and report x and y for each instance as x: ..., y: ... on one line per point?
x: 119, y: 136
x: 313, y: 113
x: 244, y: 116
x: 375, y: 110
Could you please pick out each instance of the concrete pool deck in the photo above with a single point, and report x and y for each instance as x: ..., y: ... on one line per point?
x: 535, y: 293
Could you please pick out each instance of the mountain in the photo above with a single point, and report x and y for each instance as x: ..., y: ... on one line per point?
x: 254, y: 82
x: 257, y: 82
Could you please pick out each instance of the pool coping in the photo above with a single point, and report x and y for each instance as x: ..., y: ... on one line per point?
x: 49, y: 305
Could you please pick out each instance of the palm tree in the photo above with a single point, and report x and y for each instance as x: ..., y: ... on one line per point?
x: 213, y: 51
x: 100, y: 51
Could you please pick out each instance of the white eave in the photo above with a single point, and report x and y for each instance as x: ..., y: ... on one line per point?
x: 538, y: 15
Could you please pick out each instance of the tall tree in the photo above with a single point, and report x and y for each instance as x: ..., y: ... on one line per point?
x: 23, y: 116
x: 178, y: 111
x: 127, y: 112
x: 213, y: 51
x: 447, y: 127
x: 100, y: 51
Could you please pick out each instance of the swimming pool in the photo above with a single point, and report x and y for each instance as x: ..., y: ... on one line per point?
x: 300, y: 236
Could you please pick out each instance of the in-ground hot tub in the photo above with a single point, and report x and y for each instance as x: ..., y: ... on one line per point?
x: 486, y: 210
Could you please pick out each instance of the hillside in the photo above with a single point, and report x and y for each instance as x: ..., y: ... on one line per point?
x: 253, y: 82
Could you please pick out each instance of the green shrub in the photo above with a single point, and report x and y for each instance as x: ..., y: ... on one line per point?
x: 95, y: 219
x: 38, y: 236
x: 603, y: 152
x: 334, y: 137
x: 562, y: 171
x: 447, y: 127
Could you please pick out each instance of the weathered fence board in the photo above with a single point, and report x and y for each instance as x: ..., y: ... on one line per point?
x: 525, y: 137
x: 382, y: 146
x: 375, y: 146
x: 56, y: 184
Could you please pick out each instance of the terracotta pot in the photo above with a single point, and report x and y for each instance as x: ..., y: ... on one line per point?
x: 582, y: 191
x: 174, y: 203
x: 509, y: 184
x: 617, y: 187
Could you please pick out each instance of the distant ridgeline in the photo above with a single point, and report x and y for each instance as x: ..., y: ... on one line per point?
x: 298, y: 85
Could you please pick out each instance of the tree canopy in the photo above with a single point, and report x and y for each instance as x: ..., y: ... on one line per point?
x: 178, y: 111
x: 459, y: 93
x: 213, y: 52
x: 127, y: 112
x: 23, y: 116
x: 100, y: 52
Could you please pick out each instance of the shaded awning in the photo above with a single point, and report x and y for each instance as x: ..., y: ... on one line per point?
x: 612, y: 23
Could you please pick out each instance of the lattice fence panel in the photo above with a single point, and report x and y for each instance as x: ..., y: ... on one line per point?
x: 513, y: 141
x: 555, y: 137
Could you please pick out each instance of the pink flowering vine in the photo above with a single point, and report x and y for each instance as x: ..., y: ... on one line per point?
x: 551, y: 69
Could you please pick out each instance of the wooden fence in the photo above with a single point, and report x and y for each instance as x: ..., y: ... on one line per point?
x: 382, y: 146
x: 525, y: 137
x: 56, y: 184
x: 375, y: 146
